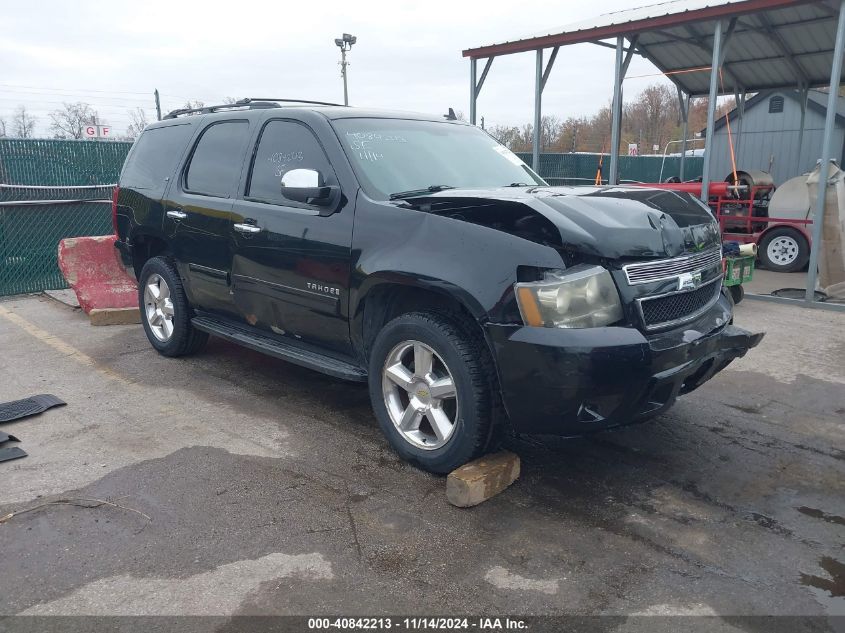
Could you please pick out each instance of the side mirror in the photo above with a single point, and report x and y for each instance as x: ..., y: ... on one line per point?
x: 304, y: 185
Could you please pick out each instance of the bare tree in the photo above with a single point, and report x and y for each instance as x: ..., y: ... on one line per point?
x: 70, y: 120
x: 2, y: 127
x: 192, y: 105
x: 507, y: 135
x: 551, y: 128
x: 138, y: 116
x: 230, y: 100
x: 23, y: 124
x: 651, y: 118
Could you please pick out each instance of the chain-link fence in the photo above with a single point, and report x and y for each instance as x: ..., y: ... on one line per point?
x: 49, y: 190
x: 32, y: 222
x: 580, y: 169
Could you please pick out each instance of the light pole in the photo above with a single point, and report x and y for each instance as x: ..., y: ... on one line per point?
x: 345, y: 43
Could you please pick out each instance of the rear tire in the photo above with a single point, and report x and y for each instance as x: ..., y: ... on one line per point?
x: 431, y: 387
x: 784, y: 250
x: 165, y: 311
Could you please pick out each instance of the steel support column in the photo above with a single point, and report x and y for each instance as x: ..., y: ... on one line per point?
x: 739, y: 96
x: 683, y: 105
x: 803, y: 95
x: 616, y: 114
x: 476, y: 88
x: 538, y: 111
x: 616, y: 122
x: 473, y: 93
x: 711, y: 108
x: 829, y: 121
x: 540, y: 85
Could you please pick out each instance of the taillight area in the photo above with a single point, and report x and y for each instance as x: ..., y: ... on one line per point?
x: 114, y: 195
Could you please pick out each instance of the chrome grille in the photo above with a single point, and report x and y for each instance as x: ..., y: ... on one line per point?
x: 662, y: 269
x: 677, y: 307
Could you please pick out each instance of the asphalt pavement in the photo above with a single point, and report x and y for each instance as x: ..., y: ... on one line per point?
x: 230, y: 483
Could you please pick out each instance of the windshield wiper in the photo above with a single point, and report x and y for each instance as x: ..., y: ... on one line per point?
x: 520, y: 184
x: 419, y: 192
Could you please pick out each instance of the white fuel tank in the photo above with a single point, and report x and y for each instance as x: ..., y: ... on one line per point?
x: 791, y: 200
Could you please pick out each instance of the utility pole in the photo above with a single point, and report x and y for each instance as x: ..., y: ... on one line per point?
x: 345, y: 44
x: 158, y: 105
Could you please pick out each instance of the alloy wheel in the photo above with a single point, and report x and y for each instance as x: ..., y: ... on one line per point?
x: 158, y: 307
x: 420, y: 395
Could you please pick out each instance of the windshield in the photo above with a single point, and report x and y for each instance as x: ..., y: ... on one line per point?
x: 392, y: 156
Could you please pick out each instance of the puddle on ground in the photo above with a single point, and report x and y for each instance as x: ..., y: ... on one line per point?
x: 828, y: 591
x: 819, y: 514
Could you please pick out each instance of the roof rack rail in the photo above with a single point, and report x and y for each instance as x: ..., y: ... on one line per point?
x: 251, y: 103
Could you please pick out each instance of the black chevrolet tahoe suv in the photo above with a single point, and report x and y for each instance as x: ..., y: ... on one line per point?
x: 417, y: 254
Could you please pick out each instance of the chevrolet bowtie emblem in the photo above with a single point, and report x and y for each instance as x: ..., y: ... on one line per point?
x: 689, y: 281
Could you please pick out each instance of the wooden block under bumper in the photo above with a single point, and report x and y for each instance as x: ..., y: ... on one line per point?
x: 481, y: 479
x: 114, y: 316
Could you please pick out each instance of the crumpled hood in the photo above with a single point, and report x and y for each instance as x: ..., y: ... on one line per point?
x: 611, y: 222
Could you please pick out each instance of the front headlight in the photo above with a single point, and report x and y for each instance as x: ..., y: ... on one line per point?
x: 580, y: 297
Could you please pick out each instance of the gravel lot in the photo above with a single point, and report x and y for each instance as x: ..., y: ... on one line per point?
x: 269, y: 490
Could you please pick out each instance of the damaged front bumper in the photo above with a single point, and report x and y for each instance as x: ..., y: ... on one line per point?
x: 575, y: 381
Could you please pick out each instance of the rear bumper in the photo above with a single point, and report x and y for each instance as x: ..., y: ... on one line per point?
x: 572, y: 382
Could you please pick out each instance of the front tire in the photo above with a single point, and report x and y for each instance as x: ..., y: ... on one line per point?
x: 165, y: 311
x: 431, y: 387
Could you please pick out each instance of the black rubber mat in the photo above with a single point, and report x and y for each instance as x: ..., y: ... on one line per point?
x: 13, y: 452
x: 28, y: 406
x: 5, y: 437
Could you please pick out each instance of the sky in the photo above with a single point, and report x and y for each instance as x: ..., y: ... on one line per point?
x: 114, y: 54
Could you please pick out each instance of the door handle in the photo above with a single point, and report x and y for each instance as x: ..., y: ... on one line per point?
x: 247, y: 228
x: 177, y: 214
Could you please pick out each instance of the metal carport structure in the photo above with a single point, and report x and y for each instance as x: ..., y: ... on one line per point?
x: 756, y: 44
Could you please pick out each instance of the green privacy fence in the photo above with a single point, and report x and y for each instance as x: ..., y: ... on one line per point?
x: 34, y: 220
x: 57, y: 162
x: 49, y: 190
x: 580, y: 169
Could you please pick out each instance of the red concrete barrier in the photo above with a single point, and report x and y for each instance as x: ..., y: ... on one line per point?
x: 92, y: 267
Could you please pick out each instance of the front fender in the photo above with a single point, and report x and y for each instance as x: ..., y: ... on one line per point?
x: 475, y: 264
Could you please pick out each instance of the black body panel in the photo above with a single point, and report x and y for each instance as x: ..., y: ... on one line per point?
x: 298, y: 286
x: 292, y: 277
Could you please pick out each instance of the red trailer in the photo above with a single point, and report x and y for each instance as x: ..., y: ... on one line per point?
x: 741, y: 207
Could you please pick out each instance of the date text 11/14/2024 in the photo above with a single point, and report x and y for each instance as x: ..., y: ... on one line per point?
x: 419, y: 623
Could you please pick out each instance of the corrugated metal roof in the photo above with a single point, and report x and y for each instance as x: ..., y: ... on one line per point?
x: 775, y: 43
x: 626, y: 16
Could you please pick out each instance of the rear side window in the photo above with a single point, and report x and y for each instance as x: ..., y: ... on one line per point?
x: 283, y: 146
x: 216, y: 162
x: 153, y: 158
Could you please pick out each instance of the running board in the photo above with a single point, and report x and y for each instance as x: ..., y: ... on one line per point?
x: 273, y: 347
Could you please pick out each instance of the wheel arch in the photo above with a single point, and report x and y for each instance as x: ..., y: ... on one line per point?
x: 146, y: 244
x: 800, y: 229
x: 388, y: 295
